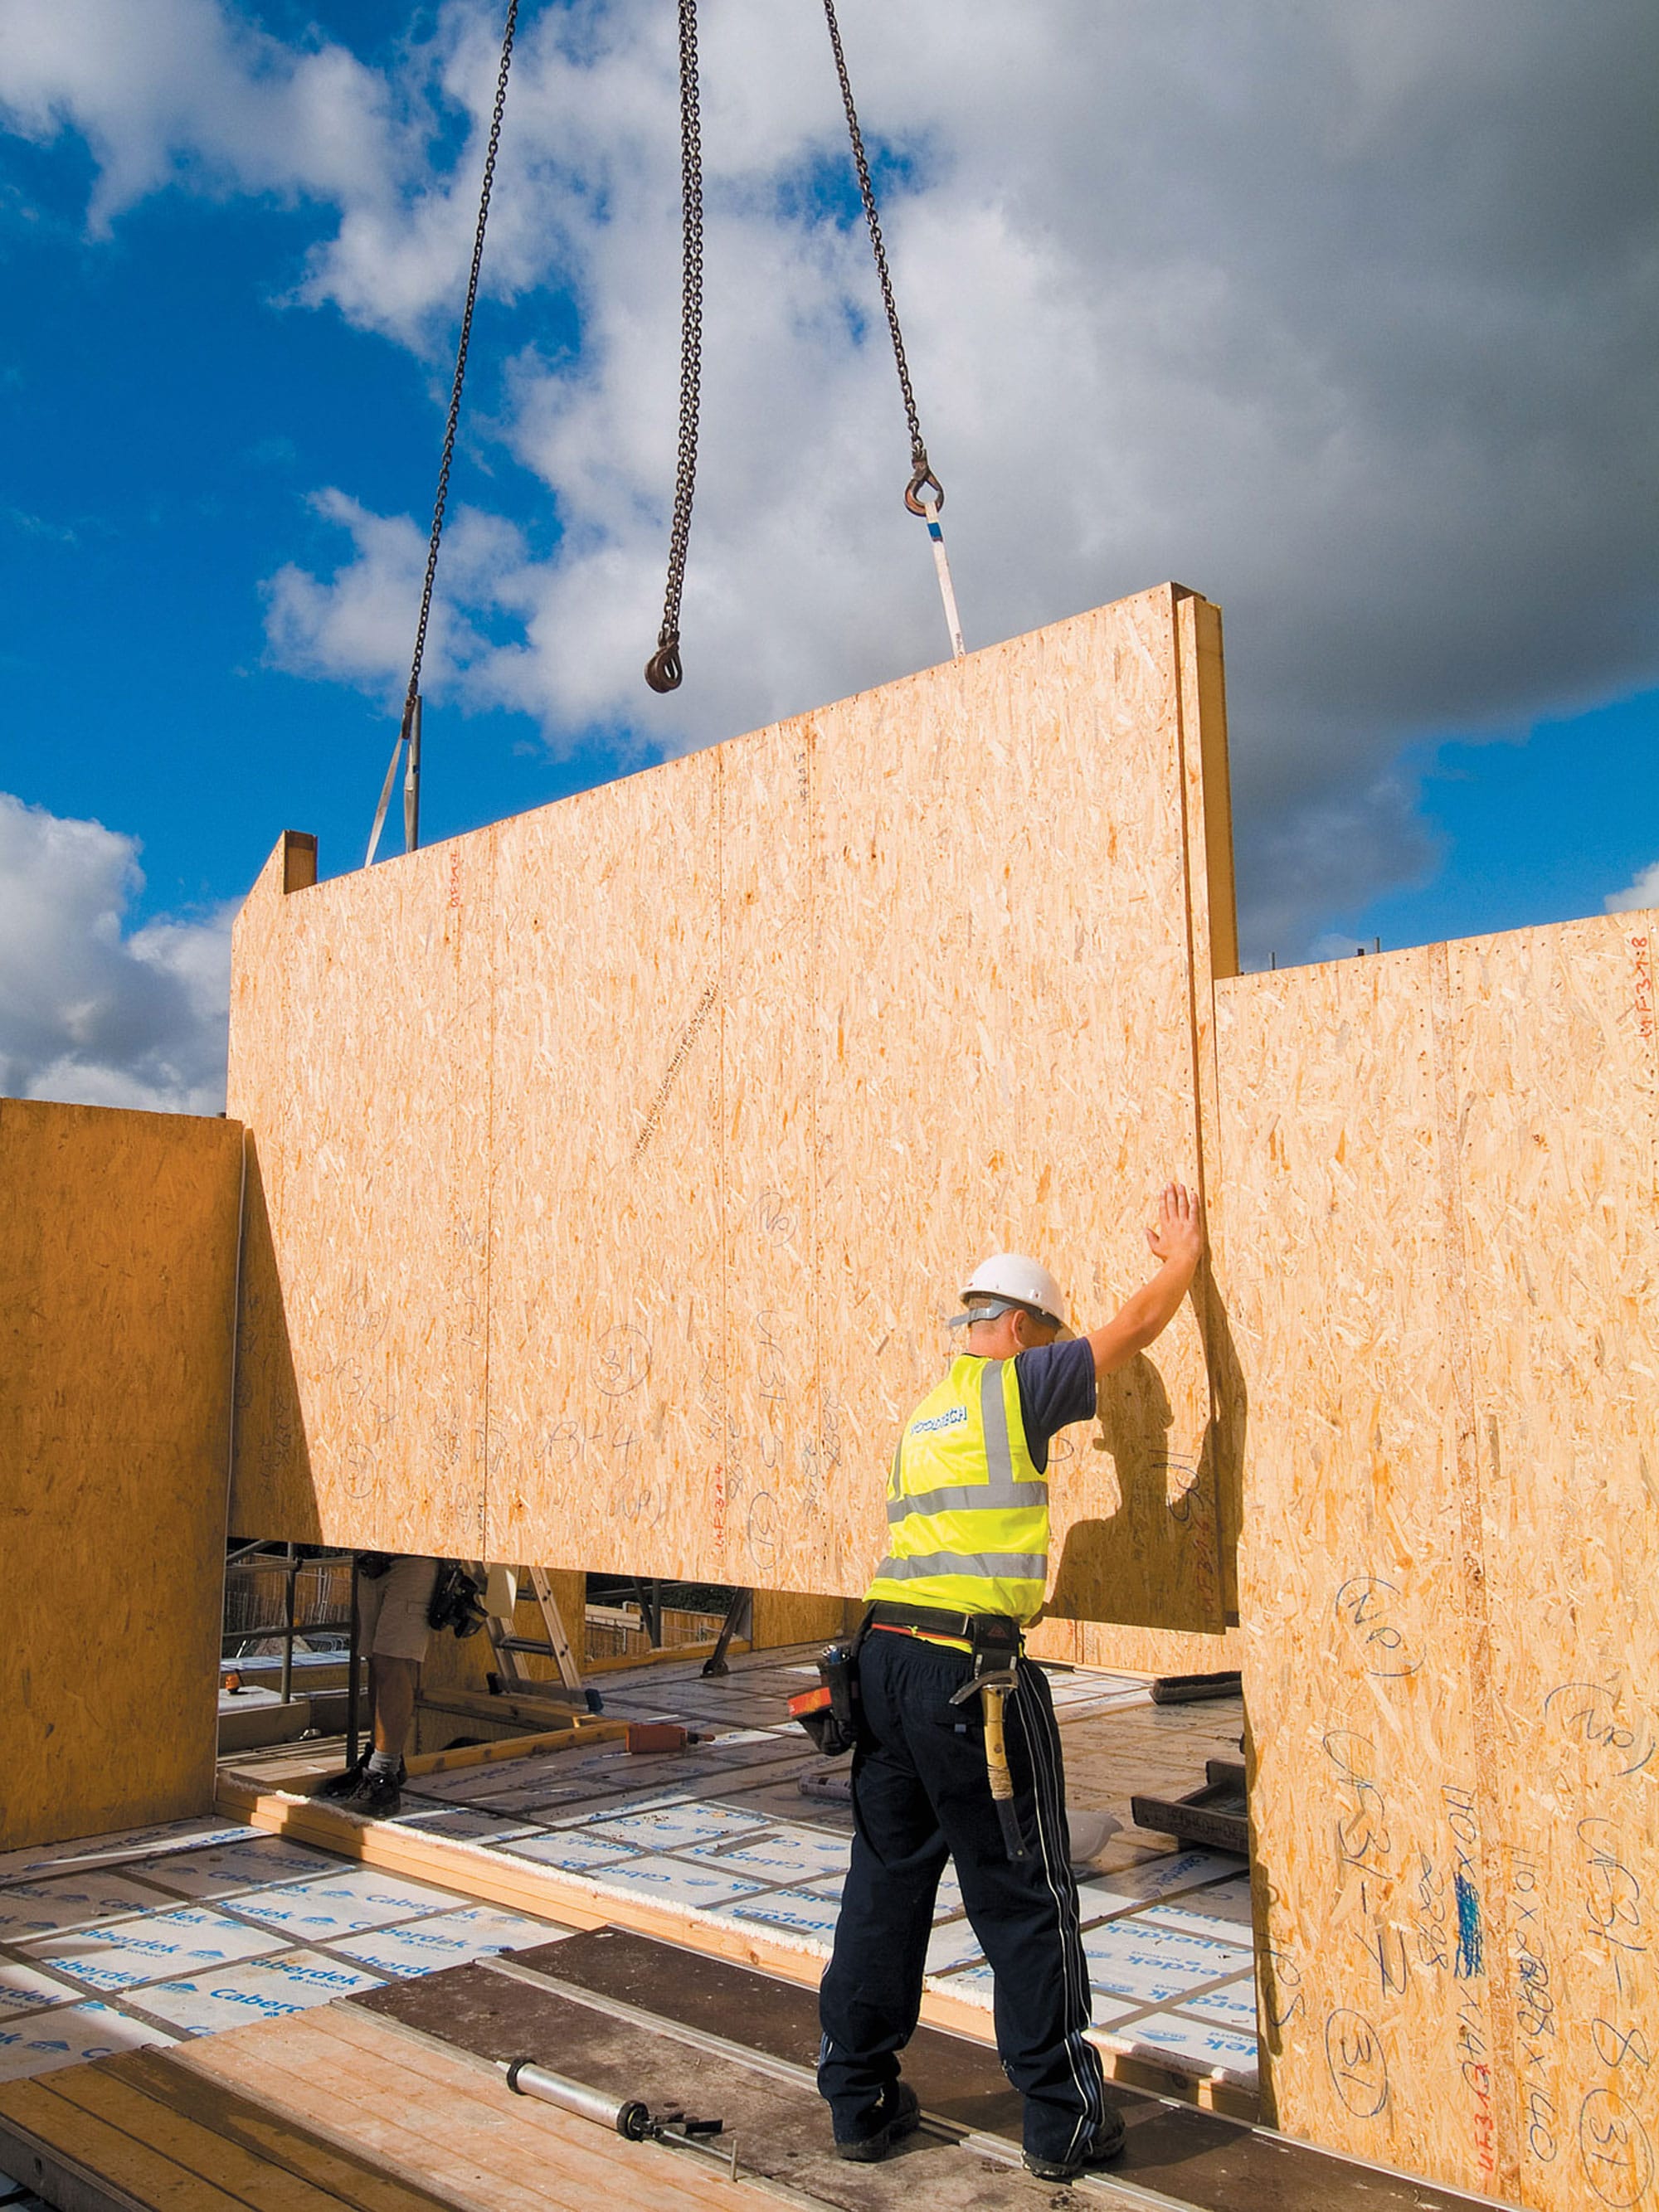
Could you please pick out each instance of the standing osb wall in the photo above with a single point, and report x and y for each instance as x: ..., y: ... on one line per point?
x: 615, y: 1167
x: 1440, y: 1255
x: 118, y: 1271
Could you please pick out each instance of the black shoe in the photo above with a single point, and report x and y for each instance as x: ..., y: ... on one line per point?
x: 345, y: 1788
x: 903, y: 2118
x: 376, y: 1796
x: 1105, y: 2143
x: 346, y: 1784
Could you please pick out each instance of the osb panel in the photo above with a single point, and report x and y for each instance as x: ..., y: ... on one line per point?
x: 1134, y: 1650
x: 362, y: 1396
x: 782, y: 1462
x: 1356, y: 1647
x: 607, y: 1292
x: 785, y: 1035
x: 1448, y: 1560
x: 1551, y: 1046
x: 117, y: 1270
x: 1009, y: 1008
x: 782, y: 1617
x: 271, y: 1449
x: 1213, y: 924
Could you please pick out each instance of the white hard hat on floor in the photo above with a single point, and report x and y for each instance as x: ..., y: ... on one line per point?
x: 1009, y: 1279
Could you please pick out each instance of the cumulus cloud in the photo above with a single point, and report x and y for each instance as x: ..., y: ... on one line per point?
x: 1643, y: 891
x: 90, y: 1013
x: 185, y: 90
x: 1344, y: 318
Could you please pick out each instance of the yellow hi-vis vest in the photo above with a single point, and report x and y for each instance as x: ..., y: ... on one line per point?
x: 967, y: 1510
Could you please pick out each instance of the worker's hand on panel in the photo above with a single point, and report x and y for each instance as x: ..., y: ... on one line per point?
x: 1177, y: 1240
x: 1178, y: 1232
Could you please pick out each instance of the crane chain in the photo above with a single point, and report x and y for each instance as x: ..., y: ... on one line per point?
x: 453, y: 423
x: 409, y: 728
x: 922, y: 480
x: 664, y: 672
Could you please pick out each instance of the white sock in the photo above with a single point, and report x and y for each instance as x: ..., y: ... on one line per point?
x: 383, y: 1762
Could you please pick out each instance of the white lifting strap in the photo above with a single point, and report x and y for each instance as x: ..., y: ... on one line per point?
x: 942, y: 564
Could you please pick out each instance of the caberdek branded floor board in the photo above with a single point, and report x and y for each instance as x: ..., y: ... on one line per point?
x: 391, y: 2102
x: 326, y: 2111
x: 772, y: 2118
x: 1183, y: 2154
x: 598, y: 1836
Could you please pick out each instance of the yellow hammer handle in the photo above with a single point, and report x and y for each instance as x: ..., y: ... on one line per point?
x: 996, y: 1752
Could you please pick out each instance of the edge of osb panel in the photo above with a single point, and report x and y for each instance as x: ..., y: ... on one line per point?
x: 1213, y: 936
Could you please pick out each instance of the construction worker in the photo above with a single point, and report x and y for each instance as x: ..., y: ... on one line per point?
x: 394, y: 1603
x: 967, y: 1513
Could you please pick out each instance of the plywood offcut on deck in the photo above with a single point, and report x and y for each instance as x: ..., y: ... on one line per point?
x: 118, y: 1272
x: 1452, y: 1672
x: 617, y: 1166
x: 330, y: 2109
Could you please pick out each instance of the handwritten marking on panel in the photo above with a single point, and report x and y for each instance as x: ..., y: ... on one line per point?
x: 1359, y: 2067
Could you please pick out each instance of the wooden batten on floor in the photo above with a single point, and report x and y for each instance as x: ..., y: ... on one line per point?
x: 585, y: 1730
x: 526, y: 1886
x: 316, y: 2113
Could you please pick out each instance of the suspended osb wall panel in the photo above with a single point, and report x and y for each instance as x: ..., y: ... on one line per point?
x: 380, y: 1062
x: 617, y: 1166
x: 118, y: 1270
x: 1452, y: 1551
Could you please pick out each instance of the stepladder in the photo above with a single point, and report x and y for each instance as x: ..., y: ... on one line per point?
x: 511, y: 1649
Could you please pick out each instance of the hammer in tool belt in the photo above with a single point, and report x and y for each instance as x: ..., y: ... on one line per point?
x: 996, y: 1650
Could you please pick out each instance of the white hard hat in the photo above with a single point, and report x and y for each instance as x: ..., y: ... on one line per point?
x: 1009, y: 1278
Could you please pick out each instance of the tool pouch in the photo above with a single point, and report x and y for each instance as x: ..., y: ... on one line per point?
x: 830, y: 1714
x: 457, y: 1601
x: 996, y: 1641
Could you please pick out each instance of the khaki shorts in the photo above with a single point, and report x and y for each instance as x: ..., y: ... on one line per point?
x: 391, y: 1610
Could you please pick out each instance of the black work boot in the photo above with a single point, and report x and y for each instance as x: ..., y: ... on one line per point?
x: 348, y: 1784
x: 377, y: 1795
x: 342, y: 1786
x: 901, y: 2115
x: 1105, y: 2143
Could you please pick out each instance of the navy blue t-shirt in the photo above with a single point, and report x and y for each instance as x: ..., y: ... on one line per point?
x: 1056, y: 1387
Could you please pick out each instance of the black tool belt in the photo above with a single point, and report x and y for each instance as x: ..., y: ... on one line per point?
x: 831, y: 1714
x: 934, y: 1620
x: 981, y: 1630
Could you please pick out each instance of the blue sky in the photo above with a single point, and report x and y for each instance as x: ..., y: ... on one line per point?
x: 1384, y: 392
x: 1540, y: 829
x: 170, y: 417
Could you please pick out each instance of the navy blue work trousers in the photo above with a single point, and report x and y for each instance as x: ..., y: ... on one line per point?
x: 920, y: 1795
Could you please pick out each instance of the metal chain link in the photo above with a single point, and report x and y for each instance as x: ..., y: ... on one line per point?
x: 442, y: 499
x: 922, y: 480
x: 663, y: 671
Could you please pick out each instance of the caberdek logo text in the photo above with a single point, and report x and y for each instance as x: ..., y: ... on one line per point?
x: 956, y: 1418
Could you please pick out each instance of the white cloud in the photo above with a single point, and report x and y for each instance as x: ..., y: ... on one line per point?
x: 89, y: 1012
x: 183, y: 89
x: 1641, y: 892
x: 1344, y: 318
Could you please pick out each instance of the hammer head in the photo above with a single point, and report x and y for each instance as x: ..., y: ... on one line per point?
x: 1000, y: 1679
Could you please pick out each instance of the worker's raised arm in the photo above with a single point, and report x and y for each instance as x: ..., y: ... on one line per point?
x: 1177, y: 1240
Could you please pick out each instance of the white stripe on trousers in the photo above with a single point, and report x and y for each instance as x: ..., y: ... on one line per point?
x: 1046, y: 1796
